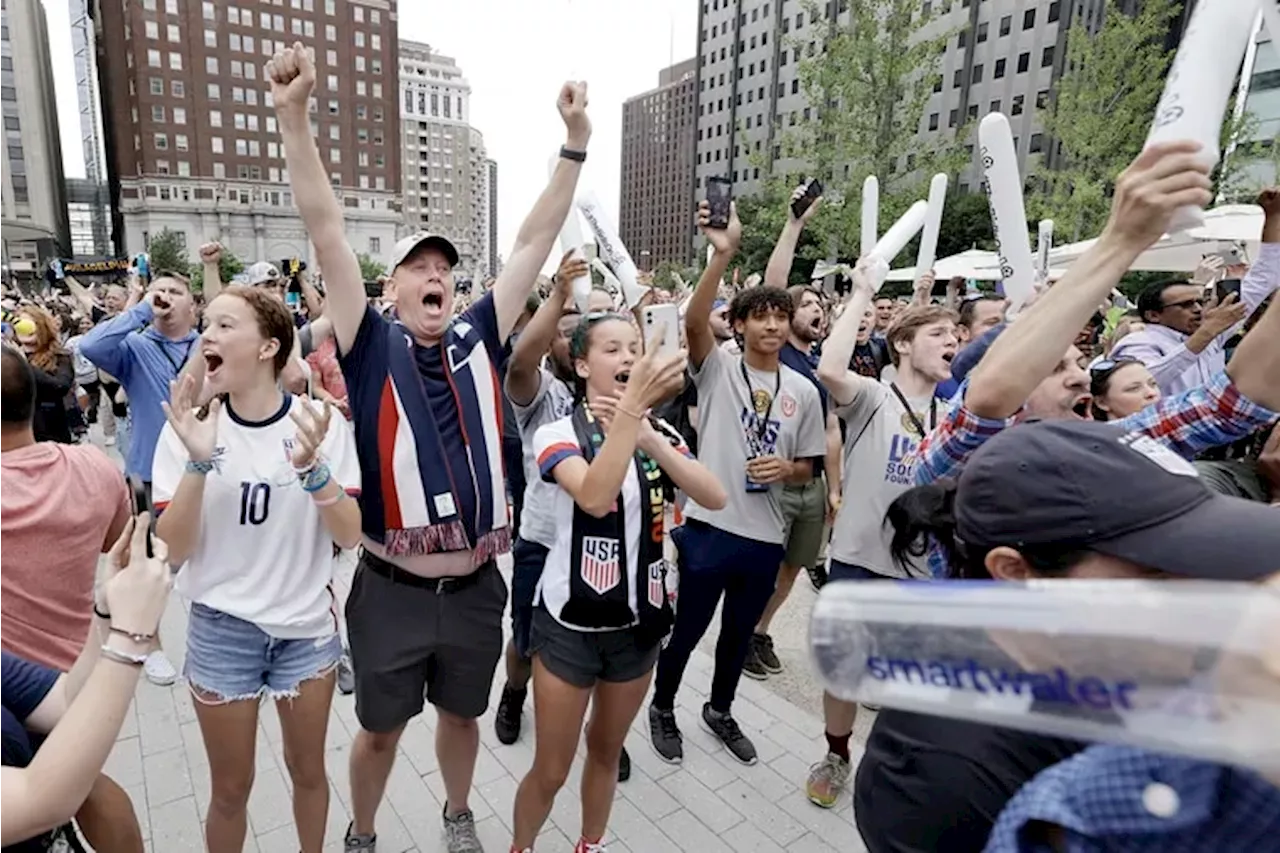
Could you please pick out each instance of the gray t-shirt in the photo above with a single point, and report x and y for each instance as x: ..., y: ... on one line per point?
x: 552, y: 402
x: 729, y: 415
x: 879, y: 440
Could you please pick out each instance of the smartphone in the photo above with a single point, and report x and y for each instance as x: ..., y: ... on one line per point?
x: 719, y: 194
x: 1226, y: 287
x: 292, y: 300
x: 666, y: 317
x: 142, y: 503
x: 812, y: 190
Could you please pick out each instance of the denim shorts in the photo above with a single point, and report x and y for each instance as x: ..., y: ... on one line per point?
x: 229, y: 659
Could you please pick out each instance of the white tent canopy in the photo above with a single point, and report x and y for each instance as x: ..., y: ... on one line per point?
x: 1232, y: 226
x: 974, y: 263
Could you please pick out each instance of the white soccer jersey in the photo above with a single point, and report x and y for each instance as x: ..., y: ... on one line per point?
x: 264, y: 554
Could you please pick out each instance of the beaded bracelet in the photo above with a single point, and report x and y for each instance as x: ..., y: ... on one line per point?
x: 201, y: 468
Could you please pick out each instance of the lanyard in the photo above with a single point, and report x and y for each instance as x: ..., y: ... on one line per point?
x: 933, y: 411
x: 763, y: 426
x: 177, y: 366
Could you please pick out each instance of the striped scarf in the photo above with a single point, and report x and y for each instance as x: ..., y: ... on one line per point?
x: 421, y: 509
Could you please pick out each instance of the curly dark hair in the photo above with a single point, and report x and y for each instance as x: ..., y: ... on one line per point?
x: 757, y: 301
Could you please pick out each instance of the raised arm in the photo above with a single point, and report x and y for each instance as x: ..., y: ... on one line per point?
x: 542, y: 225
x: 81, y: 294
x: 292, y: 75
x: 1162, y: 179
x: 210, y: 262
x: 104, y: 343
x: 1264, y: 275
x: 697, y: 318
x: 1255, y: 367
x: 522, y: 368
x: 842, y: 383
x: 778, y: 271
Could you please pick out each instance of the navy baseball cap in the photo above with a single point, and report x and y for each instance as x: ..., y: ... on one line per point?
x: 1117, y: 493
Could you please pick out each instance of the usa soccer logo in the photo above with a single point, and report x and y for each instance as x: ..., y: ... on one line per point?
x: 657, y: 589
x: 601, y: 566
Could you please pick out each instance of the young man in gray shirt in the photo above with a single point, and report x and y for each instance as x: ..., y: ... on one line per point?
x: 761, y: 426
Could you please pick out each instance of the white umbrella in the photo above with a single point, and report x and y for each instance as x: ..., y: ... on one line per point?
x: 1241, y: 224
x: 973, y: 263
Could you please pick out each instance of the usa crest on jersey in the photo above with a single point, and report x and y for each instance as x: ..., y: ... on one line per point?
x: 601, y: 566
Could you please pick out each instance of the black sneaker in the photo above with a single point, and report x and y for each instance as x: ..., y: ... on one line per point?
x: 752, y: 666
x: 726, y: 729
x: 346, y: 675
x: 664, y: 734
x: 506, y: 722
x: 763, y: 645
x: 817, y: 576
x: 624, y: 766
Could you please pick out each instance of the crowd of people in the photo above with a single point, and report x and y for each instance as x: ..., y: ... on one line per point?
x: 856, y: 438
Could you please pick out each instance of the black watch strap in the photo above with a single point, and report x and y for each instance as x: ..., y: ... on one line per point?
x: 570, y: 154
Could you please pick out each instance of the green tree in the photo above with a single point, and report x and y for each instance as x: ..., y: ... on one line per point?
x: 1101, y: 113
x: 167, y: 251
x: 867, y: 82
x: 369, y: 268
x: 1232, y: 181
x: 966, y: 224
x: 664, y: 274
x: 228, y: 268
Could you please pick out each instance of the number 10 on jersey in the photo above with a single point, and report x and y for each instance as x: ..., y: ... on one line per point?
x: 255, y: 500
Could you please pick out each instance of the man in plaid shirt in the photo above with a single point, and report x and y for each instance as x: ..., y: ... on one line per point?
x: 1034, y: 370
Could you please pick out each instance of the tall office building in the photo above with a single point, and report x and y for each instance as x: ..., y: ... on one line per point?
x: 495, y: 261
x: 1005, y: 57
x: 34, y: 201
x: 1260, y: 85
x: 656, y: 203
x: 445, y: 164
x: 190, y: 134
x: 88, y: 200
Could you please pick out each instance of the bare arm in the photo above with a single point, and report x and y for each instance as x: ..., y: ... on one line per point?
x: 690, y: 476
x: 315, y: 305
x: 292, y: 77
x: 522, y: 368
x: 778, y: 271
x: 542, y: 225
x: 1256, y: 362
x: 81, y: 294
x: 1161, y: 179
x: 697, y: 318
x: 210, y: 264
x: 595, y: 486
x: 841, y: 383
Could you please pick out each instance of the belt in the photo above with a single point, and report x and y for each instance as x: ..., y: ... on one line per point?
x: 440, y: 586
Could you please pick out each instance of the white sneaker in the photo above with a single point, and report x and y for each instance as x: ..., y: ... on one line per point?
x: 159, y: 669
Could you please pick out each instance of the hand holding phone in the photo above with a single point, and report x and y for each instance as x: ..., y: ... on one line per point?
x: 719, y: 195
x: 667, y: 318
x: 804, y: 197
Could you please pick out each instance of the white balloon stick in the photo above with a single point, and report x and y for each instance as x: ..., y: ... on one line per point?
x: 1044, y: 245
x: 1200, y: 82
x: 1008, y: 215
x: 610, y: 249
x: 901, y: 232
x: 932, y: 224
x: 571, y: 240
x: 870, y: 213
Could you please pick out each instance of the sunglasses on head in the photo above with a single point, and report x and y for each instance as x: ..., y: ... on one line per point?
x: 1109, y: 365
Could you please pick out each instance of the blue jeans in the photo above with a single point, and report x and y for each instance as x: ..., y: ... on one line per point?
x: 230, y: 660
x: 713, y: 564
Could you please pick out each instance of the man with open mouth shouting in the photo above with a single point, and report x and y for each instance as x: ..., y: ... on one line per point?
x: 425, y: 610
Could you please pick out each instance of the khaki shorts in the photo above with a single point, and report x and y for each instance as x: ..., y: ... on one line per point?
x: 804, y: 511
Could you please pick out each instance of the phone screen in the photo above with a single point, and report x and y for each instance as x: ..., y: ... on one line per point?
x: 1226, y: 287
x: 142, y: 503
x: 719, y: 194
x: 291, y: 301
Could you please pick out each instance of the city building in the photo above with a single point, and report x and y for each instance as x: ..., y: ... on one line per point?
x: 491, y: 184
x: 190, y: 134
x: 658, y: 148
x: 444, y: 159
x: 1260, y: 84
x: 34, y: 204
x: 89, y: 203
x: 1003, y: 56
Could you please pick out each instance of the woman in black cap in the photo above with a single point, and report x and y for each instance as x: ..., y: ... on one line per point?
x: 1050, y: 499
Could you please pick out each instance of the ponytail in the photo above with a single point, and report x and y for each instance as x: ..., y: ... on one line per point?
x: 922, y: 515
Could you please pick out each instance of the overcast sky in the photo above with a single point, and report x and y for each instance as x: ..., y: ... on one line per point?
x: 515, y: 70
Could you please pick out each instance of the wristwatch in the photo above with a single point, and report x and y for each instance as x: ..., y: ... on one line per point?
x: 569, y: 154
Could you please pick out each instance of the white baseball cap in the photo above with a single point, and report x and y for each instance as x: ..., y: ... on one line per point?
x: 408, y: 245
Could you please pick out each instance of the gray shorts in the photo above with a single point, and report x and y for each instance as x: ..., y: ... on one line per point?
x: 410, y: 642
x: 584, y: 657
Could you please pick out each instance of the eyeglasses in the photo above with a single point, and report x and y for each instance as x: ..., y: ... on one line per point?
x: 1185, y: 303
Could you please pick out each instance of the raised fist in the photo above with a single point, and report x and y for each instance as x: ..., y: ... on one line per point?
x: 572, y: 105
x: 292, y: 75
x: 211, y: 253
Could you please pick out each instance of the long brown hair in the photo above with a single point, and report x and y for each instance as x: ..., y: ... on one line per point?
x: 48, y: 348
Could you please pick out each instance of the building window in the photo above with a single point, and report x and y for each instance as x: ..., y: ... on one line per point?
x: 330, y: 32
x: 953, y: 118
x: 999, y: 69
x: 206, y: 9
x: 1042, y: 99
x: 962, y: 39
x: 211, y: 65
x: 1024, y: 62
x: 1017, y: 104
x: 179, y: 115
x: 1029, y: 19
x: 161, y: 141
x: 157, y: 85
x: 220, y: 170
x: 1006, y: 23
x: 180, y: 142
x: 957, y: 78
x: 178, y: 88
x: 994, y: 107
x: 359, y: 36
x: 335, y: 155
x: 982, y: 33
x: 1037, y: 143
x: 1054, y: 11
x: 933, y: 121
x: 1046, y: 58
x: 215, y: 118
x: 151, y: 29
x: 976, y: 76
x: 171, y: 32
x: 215, y: 144
x: 973, y: 111
x: 361, y: 89
x: 157, y: 113
x: 214, y: 92
x: 332, y: 81
x: 242, y: 148
x: 175, y: 61
x: 153, y: 58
